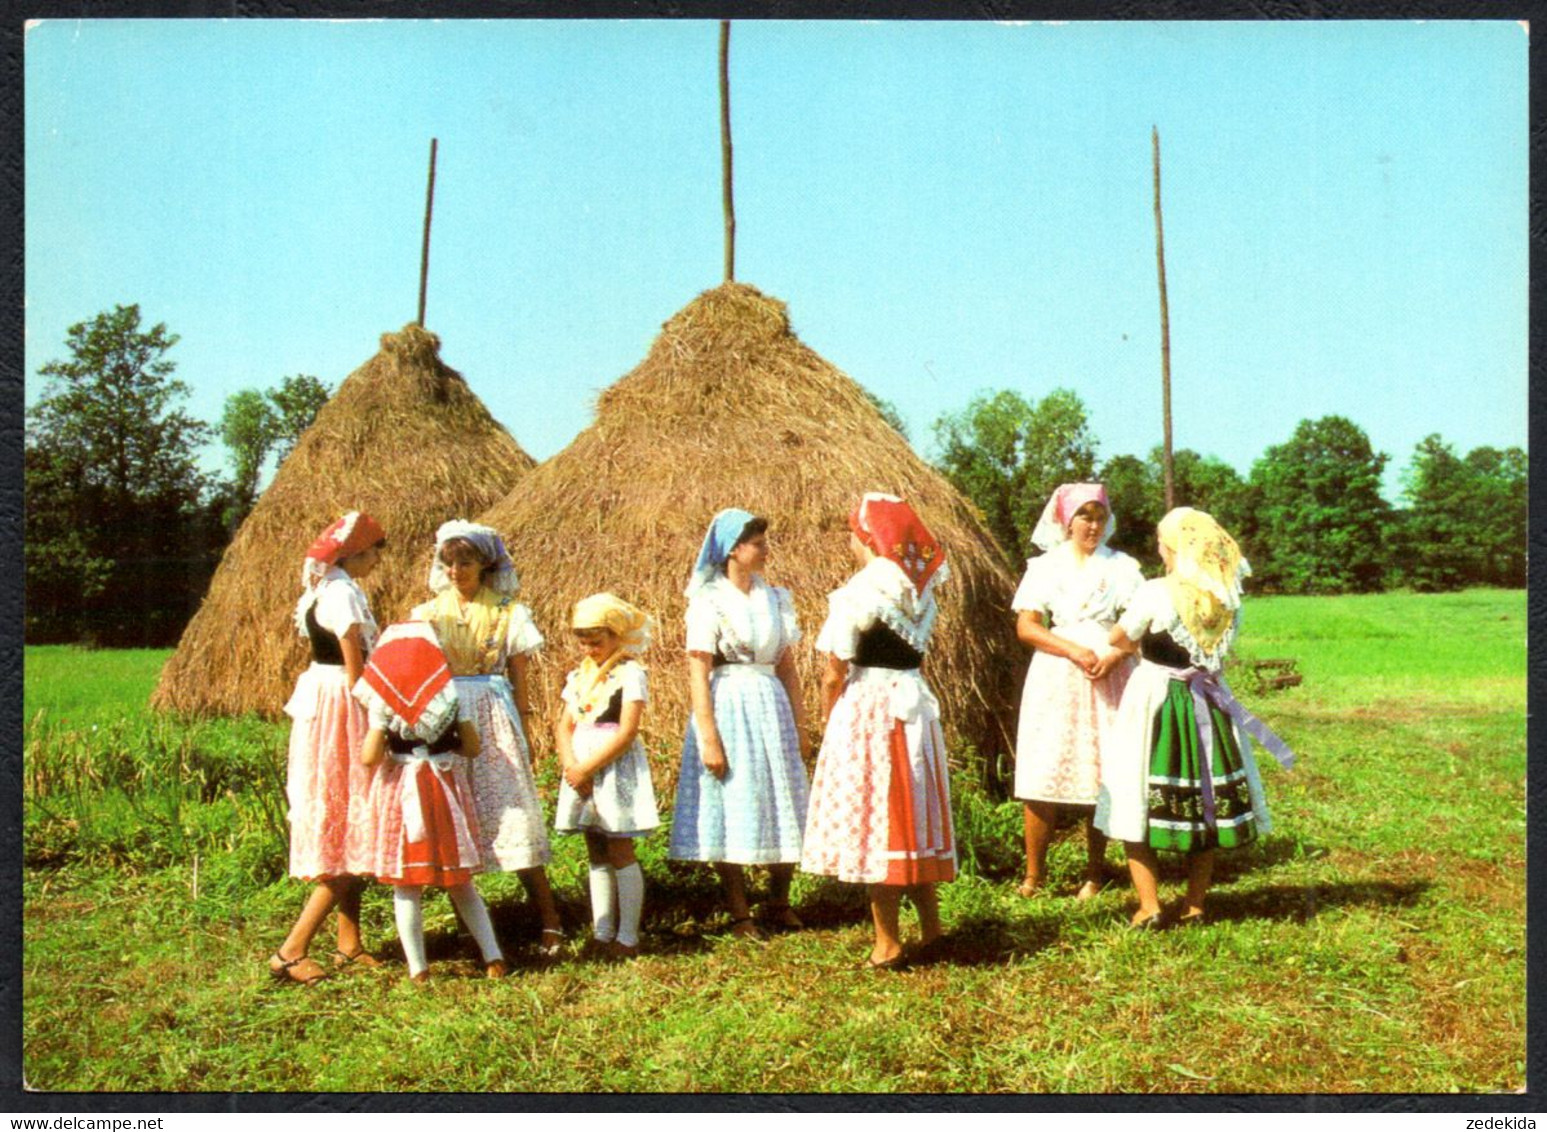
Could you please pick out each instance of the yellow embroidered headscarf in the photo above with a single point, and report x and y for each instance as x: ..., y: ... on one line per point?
x: 1205, y: 575
x: 630, y: 624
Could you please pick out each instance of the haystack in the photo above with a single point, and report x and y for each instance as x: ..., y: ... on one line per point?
x: 404, y: 439
x: 731, y: 409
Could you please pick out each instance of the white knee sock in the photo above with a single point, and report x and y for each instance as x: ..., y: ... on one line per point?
x: 631, y: 903
x: 604, y: 904
x: 410, y: 924
x: 475, y: 914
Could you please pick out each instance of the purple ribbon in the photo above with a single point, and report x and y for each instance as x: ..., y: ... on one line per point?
x: 1207, y: 688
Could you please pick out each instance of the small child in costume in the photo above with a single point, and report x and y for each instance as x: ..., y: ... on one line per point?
x: 426, y: 825
x: 606, y: 793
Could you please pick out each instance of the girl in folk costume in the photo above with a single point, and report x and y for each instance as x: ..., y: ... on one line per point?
x: 1065, y: 607
x: 880, y: 800
x: 606, y: 793
x: 330, y: 829
x: 741, y: 795
x: 487, y: 637
x: 426, y: 830
x: 1179, y: 773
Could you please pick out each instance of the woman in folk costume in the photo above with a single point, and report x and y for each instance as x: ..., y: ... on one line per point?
x: 1179, y: 773
x: 880, y: 811
x: 426, y: 831
x: 330, y: 828
x: 741, y: 795
x: 1065, y: 608
x: 487, y: 637
x: 607, y: 794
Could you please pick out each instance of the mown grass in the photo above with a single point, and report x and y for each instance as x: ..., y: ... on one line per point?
x: 1375, y: 941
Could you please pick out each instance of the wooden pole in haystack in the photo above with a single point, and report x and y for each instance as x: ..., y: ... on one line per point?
x: 424, y: 251
x: 1165, y: 329
x: 725, y: 150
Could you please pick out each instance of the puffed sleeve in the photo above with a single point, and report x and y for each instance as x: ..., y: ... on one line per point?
x: 1142, y: 610
x: 703, y: 625
x: 840, y: 632
x: 340, y: 605
x: 424, y: 611
x: 789, y: 627
x: 1126, y: 580
x: 1033, y: 594
x: 632, y: 678
x: 522, y: 637
x: 568, y: 694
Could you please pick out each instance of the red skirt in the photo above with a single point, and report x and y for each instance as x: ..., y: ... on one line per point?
x: 427, y: 831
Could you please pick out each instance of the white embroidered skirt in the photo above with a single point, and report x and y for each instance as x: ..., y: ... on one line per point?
x: 512, y: 833
x: 1065, y: 719
x: 622, y: 799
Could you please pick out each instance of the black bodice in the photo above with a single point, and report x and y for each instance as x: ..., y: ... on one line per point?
x: 881, y: 647
x: 325, y: 646
x: 1162, y: 648
x: 614, y: 711
x: 449, y: 740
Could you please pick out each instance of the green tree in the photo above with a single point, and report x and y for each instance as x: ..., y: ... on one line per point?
x: 1136, y: 489
x: 117, y: 539
x: 1466, y: 522
x: 258, y: 423
x: 296, y: 401
x: 1505, y: 480
x: 1318, y: 523
x: 1138, y: 500
x: 247, y: 426
x: 1007, y: 455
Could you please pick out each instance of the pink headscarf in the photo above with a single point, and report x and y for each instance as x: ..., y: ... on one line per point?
x: 1053, y: 528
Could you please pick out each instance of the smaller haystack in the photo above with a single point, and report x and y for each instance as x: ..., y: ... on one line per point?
x: 731, y: 409
x: 404, y: 439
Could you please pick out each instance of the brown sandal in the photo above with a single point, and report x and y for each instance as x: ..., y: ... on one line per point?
x: 285, y: 970
x: 498, y: 969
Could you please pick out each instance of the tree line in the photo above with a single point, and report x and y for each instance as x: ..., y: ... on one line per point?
x: 123, y: 528
x: 1309, y: 516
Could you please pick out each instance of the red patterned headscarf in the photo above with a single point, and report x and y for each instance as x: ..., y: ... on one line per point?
x: 408, y: 676
x: 344, y: 538
x: 892, y: 529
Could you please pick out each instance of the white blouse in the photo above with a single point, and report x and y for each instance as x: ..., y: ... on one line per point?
x: 1097, y: 589
x: 1152, y: 610
x: 879, y: 592
x: 745, y: 628
x: 340, y: 604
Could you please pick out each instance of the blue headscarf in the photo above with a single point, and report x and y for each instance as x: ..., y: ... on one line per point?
x: 719, y: 540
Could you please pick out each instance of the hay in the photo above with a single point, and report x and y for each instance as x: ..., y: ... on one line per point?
x: 731, y: 409
x: 405, y: 439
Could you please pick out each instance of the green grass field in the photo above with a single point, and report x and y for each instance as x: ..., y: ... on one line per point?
x: 1374, y: 942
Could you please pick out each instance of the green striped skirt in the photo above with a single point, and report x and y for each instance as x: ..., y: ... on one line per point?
x: 1176, y: 817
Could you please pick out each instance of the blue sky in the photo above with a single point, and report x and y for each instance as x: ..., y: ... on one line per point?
x: 947, y: 208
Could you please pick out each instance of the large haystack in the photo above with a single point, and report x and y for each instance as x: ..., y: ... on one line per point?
x: 731, y: 409
x: 404, y: 439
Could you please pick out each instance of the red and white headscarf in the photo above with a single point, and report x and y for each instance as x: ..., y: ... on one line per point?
x: 409, y: 678
x: 1052, y: 528
x: 892, y: 529
x: 344, y: 538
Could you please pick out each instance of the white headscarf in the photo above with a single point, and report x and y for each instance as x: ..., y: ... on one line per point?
x: 485, y: 540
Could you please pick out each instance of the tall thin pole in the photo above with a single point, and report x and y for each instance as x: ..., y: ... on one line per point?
x: 725, y: 150
x: 1165, y: 329
x: 424, y: 253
